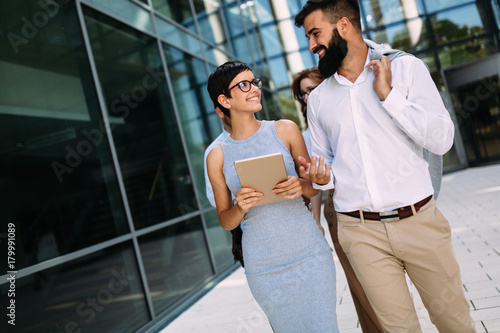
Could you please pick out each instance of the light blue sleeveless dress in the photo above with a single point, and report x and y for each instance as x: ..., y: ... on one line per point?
x: 288, y: 262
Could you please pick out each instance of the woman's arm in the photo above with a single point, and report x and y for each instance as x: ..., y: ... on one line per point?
x: 229, y: 215
x: 291, y: 136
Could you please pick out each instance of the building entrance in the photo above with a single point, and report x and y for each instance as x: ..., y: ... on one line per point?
x: 475, y: 92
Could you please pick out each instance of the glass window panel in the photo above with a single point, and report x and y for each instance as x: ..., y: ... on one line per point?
x: 279, y: 72
x: 495, y: 5
x: 383, y: 12
x: 152, y: 161
x: 410, y: 36
x: 178, y: 37
x: 477, y: 107
x: 58, y: 183
x: 210, y: 22
x: 214, y: 55
x: 293, y: 6
x: 189, y: 82
x: 233, y: 20
x: 433, y: 5
x: 450, y: 159
x: 220, y: 241
x: 309, y: 59
x: 271, y: 40
x: 178, y: 11
x: 272, y: 105
x: 473, y: 49
x: 176, y: 261
x: 254, y: 35
x: 457, y: 24
x: 100, y: 292
x: 237, y: 33
x: 240, y: 46
x: 288, y: 106
x: 131, y: 13
x: 262, y: 68
x: 264, y: 12
x: 301, y: 37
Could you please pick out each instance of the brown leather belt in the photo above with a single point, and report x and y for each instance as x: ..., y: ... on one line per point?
x: 394, y: 215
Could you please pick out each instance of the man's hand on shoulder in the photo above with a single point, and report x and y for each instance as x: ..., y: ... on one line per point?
x: 382, y: 84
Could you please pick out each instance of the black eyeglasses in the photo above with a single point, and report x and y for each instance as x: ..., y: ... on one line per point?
x: 246, y: 85
x: 302, y: 95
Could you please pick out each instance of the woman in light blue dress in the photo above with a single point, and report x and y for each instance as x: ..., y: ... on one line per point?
x: 288, y: 263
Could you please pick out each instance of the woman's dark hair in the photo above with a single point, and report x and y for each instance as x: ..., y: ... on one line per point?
x: 311, y: 73
x: 333, y: 10
x: 221, y: 77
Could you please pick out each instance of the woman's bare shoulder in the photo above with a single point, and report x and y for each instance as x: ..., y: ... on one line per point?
x: 215, y: 156
x: 285, y: 125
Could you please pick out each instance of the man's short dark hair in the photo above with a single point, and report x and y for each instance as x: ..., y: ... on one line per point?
x: 221, y: 77
x: 333, y: 10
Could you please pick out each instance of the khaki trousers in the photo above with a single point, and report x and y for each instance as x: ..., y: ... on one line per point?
x: 381, y: 252
x: 367, y: 318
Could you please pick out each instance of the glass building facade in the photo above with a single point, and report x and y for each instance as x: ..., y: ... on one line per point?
x: 104, y: 119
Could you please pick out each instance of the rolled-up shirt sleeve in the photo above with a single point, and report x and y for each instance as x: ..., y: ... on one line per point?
x: 320, y: 142
x: 416, y: 106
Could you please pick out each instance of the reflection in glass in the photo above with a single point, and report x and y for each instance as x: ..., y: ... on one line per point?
x: 178, y: 11
x: 410, y: 36
x: 272, y: 105
x: 177, y: 37
x: 100, y: 292
x: 152, y: 161
x: 58, y: 184
x: 220, y: 241
x: 237, y: 33
x: 433, y: 5
x: 210, y: 22
x: 263, y: 7
x: 294, y: 7
x: 255, y: 38
x: 384, y: 12
x: 176, y: 261
x: 279, y: 72
x: 189, y: 82
x: 457, y: 24
x: 470, y: 50
x: 288, y: 106
x: 477, y: 106
x: 301, y: 38
x: 214, y: 55
x: 450, y: 159
x: 309, y: 59
x: 271, y: 41
x: 131, y: 13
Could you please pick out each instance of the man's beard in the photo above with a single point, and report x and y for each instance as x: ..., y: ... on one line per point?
x: 334, y: 55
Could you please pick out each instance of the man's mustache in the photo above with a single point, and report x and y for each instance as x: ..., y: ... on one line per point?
x: 318, y: 48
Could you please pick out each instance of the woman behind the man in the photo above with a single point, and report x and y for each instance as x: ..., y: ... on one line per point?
x: 303, y: 84
x: 288, y: 263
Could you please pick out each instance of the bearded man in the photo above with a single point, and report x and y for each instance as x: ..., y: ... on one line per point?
x: 371, y: 120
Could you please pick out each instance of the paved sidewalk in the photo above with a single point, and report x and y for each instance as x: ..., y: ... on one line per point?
x: 470, y: 199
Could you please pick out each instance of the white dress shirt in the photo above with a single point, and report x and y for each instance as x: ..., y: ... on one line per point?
x: 375, y: 148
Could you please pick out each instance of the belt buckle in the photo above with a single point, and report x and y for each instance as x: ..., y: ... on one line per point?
x: 391, y: 216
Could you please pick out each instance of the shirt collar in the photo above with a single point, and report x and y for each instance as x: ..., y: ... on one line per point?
x: 361, y: 78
